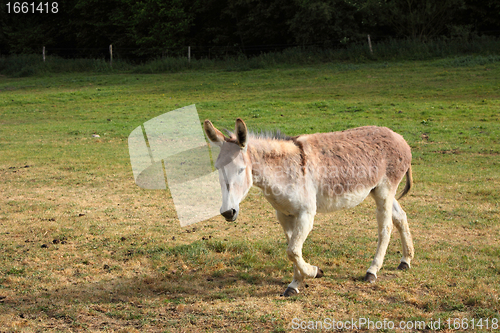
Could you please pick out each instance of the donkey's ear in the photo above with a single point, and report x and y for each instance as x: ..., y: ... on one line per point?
x: 241, y: 132
x: 213, y: 133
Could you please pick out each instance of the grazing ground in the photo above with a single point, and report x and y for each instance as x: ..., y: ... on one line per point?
x: 82, y: 248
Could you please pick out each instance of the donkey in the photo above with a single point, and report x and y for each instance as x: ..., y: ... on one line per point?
x: 323, y: 172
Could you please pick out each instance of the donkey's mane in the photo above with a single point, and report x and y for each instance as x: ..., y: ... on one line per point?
x: 273, y: 135
x: 261, y: 134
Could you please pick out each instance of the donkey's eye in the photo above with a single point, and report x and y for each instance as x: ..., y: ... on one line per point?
x: 241, y: 170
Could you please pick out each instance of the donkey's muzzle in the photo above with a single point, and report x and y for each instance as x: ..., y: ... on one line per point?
x: 230, y: 215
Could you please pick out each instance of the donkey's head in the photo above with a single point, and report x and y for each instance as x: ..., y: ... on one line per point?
x: 233, y: 163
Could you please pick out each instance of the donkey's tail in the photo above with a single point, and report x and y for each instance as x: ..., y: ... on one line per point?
x: 409, y: 183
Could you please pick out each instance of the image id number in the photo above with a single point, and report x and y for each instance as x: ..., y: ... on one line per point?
x: 32, y: 8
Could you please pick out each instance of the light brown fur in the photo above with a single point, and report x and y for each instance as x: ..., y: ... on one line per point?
x: 361, y: 156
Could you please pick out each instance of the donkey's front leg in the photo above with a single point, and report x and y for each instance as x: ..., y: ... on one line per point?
x: 296, y: 231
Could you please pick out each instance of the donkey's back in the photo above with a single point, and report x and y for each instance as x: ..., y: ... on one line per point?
x: 346, y: 166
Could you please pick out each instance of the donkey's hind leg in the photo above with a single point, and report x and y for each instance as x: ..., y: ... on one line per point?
x: 384, y: 197
x: 401, y: 223
x: 296, y: 231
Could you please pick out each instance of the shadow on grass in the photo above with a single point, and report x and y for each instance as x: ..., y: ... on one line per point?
x: 160, y: 287
x: 141, y: 301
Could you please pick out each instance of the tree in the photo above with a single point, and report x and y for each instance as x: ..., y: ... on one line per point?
x: 96, y: 24
x: 479, y: 17
x: 159, y: 25
x: 316, y: 21
x: 259, y: 22
x: 416, y: 19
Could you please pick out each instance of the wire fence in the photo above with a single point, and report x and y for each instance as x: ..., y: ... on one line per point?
x: 190, y: 52
x: 140, y: 54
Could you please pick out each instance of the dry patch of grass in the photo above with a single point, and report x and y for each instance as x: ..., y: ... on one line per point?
x: 97, y: 259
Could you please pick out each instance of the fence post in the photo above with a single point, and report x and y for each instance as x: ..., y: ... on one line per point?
x: 370, y: 44
x: 43, y: 53
x: 111, y: 55
x: 189, y: 53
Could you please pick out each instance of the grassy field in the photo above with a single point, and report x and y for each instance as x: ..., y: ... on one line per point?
x: 82, y: 248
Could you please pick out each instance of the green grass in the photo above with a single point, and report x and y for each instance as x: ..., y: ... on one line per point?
x: 116, y: 258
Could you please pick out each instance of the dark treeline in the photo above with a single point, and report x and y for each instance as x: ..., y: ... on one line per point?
x: 151, y: 28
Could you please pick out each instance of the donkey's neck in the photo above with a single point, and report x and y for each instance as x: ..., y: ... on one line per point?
x: 274, y: 162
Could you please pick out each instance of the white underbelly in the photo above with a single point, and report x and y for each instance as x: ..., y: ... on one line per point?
x: 285, y: 205
x: 326, y: 204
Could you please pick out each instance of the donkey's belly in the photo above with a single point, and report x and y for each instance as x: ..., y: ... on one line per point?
x: 284, y: 205
x: 326, y: 204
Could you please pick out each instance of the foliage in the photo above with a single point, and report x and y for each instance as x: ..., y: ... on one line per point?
x: 317, y: 21
x: 143, y: 30
x: 417, y: 19
x: 157, y: 25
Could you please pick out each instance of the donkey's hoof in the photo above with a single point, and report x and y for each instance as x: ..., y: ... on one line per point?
x: 319, y: 273
x: 290, y: 292
x: 403, y: 266
x: 369, y: 277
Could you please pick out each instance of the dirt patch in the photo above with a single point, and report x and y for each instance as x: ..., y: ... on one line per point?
x: 455, y: 151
